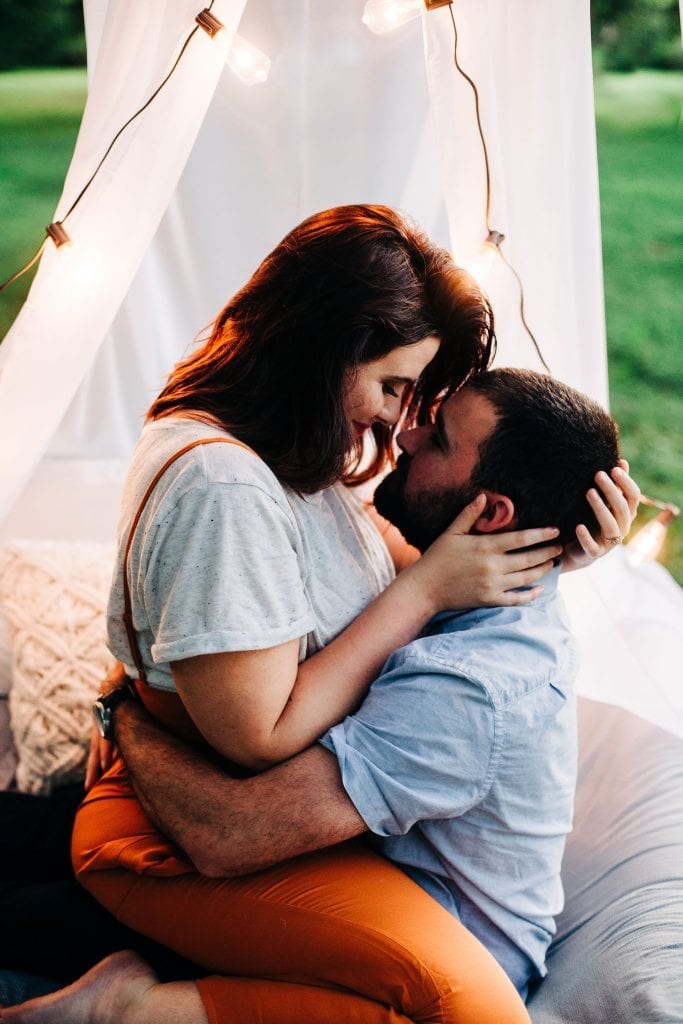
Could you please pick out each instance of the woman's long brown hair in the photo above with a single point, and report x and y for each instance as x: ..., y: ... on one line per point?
x: 345, y: 287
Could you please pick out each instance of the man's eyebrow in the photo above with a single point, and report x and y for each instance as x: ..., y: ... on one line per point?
x: 441, y: 430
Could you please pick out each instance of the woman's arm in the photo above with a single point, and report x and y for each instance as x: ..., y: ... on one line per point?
x: 259, y: 707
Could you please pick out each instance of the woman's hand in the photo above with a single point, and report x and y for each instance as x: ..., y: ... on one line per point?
x: 464, y: 570
x: 101, y: 756
x: 615, y: 505
x: 102, y: 753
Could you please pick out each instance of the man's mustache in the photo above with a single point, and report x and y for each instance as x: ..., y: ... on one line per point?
x: 402, y: 465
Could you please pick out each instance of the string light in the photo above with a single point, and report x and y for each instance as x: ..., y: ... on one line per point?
x: 57, y: 232
x: 382, y: 16
x: 250, y: 64
x: 491, y: 246
x: 210, y: 23
x: 648, y: 542
x: 481, y: 265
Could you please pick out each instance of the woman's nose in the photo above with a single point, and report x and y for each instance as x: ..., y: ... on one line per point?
x: 391, y: 410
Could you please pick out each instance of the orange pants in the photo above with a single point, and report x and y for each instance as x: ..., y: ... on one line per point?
x: 342, y: 936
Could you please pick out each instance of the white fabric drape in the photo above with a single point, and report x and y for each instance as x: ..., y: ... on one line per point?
x: 343, y: 118
x: 531, y: 63
x: 77, y: 291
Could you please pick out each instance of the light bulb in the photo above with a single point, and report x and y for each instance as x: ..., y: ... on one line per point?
x: 249, y: 63
x: 480, y: 266
x: 649, y: 540
x: 382, y: 16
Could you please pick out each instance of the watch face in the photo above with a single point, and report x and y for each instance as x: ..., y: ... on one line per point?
x: 102, y: 716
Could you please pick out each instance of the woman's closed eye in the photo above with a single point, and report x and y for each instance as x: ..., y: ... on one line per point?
x: 391, y: 389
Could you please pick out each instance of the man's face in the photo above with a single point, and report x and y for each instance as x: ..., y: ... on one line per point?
x: 432, y: 480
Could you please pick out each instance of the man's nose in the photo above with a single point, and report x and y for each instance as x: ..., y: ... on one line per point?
x: 410, y: 441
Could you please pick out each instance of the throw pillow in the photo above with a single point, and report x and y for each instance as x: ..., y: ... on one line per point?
x: 54, y: 596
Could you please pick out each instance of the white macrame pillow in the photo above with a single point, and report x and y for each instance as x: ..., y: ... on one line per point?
x: 54, y: 596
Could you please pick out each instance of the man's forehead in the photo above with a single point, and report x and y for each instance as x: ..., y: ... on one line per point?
x: 467, y: 411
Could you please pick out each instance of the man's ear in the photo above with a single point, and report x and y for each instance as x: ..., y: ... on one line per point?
x: 499, y: 514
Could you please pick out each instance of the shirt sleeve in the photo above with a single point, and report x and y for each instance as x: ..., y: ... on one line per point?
x: 225, y: 558
x: 423, y: 745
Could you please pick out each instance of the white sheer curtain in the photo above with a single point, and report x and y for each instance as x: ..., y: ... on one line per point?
x: 77, y: 292
x: 344, y: 118
x: 531, y: 63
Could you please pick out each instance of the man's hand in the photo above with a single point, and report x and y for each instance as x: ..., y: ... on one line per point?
x: 226, y: 826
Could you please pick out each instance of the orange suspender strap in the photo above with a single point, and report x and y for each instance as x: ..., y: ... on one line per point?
x: 127, y: 604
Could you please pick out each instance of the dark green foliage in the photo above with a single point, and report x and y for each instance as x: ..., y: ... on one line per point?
x: 629, y: 34
x: 41, y: 33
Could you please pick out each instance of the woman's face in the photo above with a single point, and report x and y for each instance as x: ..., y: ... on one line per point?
x: 376, y: 389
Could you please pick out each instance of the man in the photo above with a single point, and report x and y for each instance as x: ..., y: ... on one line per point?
x: 461, y: 760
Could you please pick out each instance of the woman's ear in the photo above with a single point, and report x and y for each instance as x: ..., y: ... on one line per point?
x: 499, y: 514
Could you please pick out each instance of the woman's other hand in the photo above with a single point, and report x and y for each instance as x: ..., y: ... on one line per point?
x: 465, y: 570
x: 102, y: 753
x: 614, y: 502
x: 101, y: 756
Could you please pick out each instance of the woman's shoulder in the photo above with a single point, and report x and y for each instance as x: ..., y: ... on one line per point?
x: 212, y: 456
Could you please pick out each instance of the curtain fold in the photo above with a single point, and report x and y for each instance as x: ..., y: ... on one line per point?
x: 77, y: 291
x: 531, y: 63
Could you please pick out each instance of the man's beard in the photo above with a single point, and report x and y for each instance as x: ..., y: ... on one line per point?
x: 427, y: 514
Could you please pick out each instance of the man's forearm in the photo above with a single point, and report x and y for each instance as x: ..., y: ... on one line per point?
x: 229, y: 826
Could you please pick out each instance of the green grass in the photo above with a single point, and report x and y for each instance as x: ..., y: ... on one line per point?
x: 640, y: 154
x: 40, y: 112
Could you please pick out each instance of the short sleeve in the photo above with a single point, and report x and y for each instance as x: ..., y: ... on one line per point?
x: 225, y: 560
x: 422, y: 746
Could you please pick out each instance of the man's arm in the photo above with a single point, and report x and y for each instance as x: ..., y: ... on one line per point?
x: 229, y: 827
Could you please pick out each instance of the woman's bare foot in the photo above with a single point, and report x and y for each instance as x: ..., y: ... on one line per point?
x: 108, y: 994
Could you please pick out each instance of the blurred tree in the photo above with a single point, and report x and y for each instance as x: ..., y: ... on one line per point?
x: 41, y: 33
x: 628, y: 34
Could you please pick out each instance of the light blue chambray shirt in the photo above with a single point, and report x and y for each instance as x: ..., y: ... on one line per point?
x: 462, y: 759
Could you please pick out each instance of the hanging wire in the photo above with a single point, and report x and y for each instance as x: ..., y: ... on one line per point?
x: 108, y: 150
x: 487, y: 214
x: 27, y: 266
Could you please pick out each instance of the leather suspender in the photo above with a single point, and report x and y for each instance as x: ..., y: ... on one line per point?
x: 127, y: 603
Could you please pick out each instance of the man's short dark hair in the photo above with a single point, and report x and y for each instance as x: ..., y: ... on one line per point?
x: 547, y: 446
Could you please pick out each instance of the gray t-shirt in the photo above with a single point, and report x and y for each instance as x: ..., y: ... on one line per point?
x: 227, y: 559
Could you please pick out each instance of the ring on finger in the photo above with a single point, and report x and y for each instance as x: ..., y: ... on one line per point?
x: 614, y: 540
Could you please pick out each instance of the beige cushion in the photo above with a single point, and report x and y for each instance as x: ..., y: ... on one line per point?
x: 53, y: 596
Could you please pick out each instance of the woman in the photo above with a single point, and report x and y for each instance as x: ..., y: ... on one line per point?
x: 263, y: 597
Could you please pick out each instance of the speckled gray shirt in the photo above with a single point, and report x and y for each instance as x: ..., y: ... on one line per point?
x: 226, y: 559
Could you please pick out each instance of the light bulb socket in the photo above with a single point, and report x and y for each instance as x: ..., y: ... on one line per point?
x: 667, y: 515
x: 57, y: 233
x: 495, y: 238
x: 209, y: 22
x: 433, y: 5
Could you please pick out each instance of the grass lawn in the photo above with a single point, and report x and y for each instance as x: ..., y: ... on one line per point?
x: 641, y: 186
x: 40, y: 112
x: 640, y: 152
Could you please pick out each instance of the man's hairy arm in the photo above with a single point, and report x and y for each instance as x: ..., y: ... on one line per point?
x: 226, y: 826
